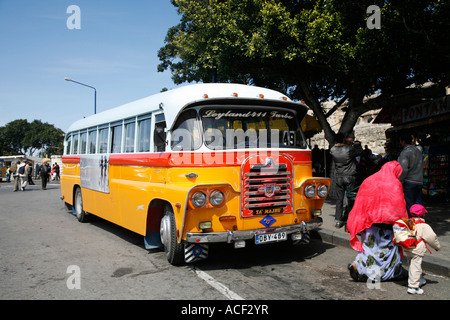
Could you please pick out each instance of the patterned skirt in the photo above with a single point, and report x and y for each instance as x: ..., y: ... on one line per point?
x: 381, y: 259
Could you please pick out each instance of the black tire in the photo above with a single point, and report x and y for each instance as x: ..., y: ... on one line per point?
x: 174, y: 250
x: 81, y: 215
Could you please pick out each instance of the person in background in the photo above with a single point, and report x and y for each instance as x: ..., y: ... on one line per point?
x: 44, y: 171
x: 57, y: 171
x: 344, y: 155
x: 15, y: 175
x: 23, y: 175
x: 411, y: 161
x: 30, y: 173
x: 8, y: 174
x: 36, y: 171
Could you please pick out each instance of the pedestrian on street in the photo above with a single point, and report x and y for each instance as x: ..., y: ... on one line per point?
x: 344, y: 155
x: 57, y: 171
x: 44, y: 171
x: 36, y: 171
x: 8, y: 174
x: 423, y: 232
x: 378, y: 204
x: 30, y: 172
x: 23, y: 175
x: 15, y: 175
x: 411, y: 161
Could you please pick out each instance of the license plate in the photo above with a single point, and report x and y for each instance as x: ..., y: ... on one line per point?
x: 270, y: 237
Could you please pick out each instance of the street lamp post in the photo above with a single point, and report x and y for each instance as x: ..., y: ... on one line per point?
x: 95, y: 92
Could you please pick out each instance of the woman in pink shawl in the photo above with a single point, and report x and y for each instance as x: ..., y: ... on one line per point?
x: 379, y: 203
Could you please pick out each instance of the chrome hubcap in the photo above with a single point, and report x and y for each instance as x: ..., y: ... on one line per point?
x: 165, y: 230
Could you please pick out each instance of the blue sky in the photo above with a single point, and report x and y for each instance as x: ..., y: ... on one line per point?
x: 115, y: 51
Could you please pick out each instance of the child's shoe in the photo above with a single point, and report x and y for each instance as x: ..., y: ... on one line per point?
x: 415, y: 291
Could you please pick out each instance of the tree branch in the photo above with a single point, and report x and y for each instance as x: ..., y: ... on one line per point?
x: 336, y: 106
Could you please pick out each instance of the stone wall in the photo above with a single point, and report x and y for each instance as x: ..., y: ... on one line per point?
x: 370, y: 134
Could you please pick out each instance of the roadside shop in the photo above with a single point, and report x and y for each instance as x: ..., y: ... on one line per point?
x: 429, y: 122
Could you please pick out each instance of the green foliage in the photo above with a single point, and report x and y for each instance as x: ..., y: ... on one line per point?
x: 315, y: 50
x: 22, y: 137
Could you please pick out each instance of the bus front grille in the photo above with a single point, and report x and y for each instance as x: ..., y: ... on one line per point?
x: 267, y: 188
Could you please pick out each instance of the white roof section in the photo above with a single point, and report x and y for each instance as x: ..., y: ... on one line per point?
x: 175, y: 100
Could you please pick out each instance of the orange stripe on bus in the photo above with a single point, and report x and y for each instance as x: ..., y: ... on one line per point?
x: 193, y: 159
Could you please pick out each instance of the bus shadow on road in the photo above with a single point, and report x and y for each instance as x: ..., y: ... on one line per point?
x: 116, y: 230
x: 225, y: 256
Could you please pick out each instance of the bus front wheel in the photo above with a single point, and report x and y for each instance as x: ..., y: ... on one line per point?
x: 78, y: 206
x: 174, y: 250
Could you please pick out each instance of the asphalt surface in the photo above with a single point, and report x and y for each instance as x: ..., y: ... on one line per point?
x: 42, y: 245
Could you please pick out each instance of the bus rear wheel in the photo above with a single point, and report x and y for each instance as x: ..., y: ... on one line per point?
x: 174, y: 250
x: 81, y: 215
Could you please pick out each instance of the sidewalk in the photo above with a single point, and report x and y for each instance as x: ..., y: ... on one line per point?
x: 438, y: 217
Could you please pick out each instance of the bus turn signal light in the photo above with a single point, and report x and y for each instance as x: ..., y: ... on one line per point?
x: 227, y: 218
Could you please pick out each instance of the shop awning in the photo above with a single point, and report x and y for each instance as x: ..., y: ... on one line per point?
x: 422, y: 111
x: 310, y: 126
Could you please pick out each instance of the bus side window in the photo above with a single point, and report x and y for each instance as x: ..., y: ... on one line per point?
x: 75, y: 143
x: 103, y: 140
x: 159, y: 137
x: 92, y: 141
x: 68, y: 143
x: 116, y: 138
x: 144, y: 135
x: 129, y: 136
x: 83, y: 142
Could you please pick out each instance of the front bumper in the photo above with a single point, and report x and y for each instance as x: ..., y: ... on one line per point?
x: 231, y: 236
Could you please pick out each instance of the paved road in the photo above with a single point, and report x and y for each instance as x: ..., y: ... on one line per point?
x: 45, y: 253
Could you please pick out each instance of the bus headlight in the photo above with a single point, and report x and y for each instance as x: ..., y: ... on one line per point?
x: 322, y: 191
x: 216, y: 198
x: 198, y: 199
x: 310, y: 191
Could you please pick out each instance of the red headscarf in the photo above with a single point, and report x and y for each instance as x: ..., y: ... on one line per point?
x: 380, y: 199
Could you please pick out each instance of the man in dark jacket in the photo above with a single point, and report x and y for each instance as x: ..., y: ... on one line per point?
x: 43, y: 173
x: 411, y: 160
x: 344, y: 155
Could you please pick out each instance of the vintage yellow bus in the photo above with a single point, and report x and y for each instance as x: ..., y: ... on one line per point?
x: 196, y: 165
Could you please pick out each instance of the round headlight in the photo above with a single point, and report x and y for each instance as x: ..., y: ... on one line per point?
x: 310, y: 191
x: 198, y: 199
x: 322, y: 191
x: 216, y: 198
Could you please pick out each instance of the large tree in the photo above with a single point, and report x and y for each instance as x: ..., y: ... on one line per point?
x: 22, y: 137
x: 316, y: 50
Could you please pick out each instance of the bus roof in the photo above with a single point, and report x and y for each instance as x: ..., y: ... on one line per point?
x: 175, y: 100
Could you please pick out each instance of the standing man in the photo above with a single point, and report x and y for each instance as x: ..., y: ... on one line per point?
x: 23, y: 176
x: 411, y: 161
x: 43, y: 172
x: 15, y: 175
x: 344, y: 155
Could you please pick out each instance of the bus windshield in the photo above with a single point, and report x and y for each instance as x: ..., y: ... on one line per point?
x: 250, y: 127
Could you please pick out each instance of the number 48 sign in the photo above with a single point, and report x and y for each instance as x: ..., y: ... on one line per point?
x: 289, y: 138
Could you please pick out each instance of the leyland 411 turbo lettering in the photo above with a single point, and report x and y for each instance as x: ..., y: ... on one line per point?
x: 197, y: 165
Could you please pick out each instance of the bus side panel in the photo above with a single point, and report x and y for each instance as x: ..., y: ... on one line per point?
x: 139, y: 186
x: 69, y: 178
x: 136, y: 193
x: 89, y: 204
x: 107, y: 205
